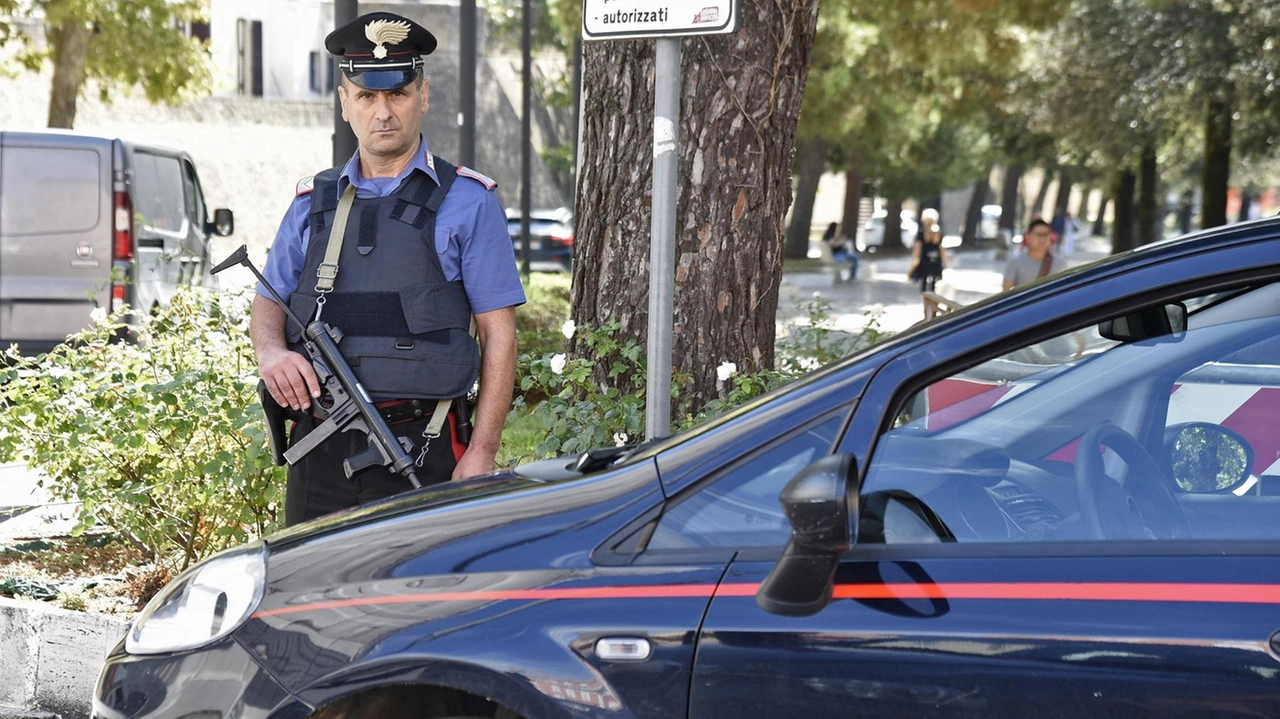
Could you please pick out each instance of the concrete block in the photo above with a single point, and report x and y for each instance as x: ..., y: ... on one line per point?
x: 50, y: 658
x: 19, y: 650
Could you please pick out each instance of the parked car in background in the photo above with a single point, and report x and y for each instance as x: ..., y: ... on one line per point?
x: 1060, y: 502
x: 872, y: 236
x: 550, y: 239
x: 95, y: 222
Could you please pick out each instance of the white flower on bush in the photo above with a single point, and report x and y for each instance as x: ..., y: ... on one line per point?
x: 817, y: 295
x: 725, y: 371
x: 98, y: 314
x: 557, y: 363
x: 619, y: 439
x: 568, y: 328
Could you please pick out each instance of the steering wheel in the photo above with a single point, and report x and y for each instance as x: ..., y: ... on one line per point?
x: 1145, y: 508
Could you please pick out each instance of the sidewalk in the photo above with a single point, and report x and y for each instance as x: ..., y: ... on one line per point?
x: 26, y: 509
x: 882, y: 287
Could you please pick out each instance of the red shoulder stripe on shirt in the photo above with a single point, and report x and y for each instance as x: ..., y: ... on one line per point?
x: 485, y: 180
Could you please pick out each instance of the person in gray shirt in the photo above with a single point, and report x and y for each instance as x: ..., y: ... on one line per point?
x: 1036, y: 261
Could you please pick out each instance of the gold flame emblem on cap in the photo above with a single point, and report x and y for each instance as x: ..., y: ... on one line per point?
x: 385, y: 32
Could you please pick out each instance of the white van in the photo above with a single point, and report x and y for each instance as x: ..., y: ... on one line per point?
x: 89, y: 222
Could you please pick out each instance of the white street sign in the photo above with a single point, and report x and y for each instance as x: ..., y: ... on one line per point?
x: 622, y: 19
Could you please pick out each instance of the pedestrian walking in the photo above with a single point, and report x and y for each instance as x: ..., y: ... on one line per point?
x: 1037, y: 261
x: 928, y: 260
x: 422, y: 248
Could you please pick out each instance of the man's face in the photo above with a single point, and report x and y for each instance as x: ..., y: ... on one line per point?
x: 386, y: 122
x: 1038, y: 239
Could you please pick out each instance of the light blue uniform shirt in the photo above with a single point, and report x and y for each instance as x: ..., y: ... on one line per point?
x: 471, y: 236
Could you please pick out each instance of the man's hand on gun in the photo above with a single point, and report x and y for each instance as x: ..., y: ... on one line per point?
x: 289, y: 377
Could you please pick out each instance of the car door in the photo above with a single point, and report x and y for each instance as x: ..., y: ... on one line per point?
x: 1008, y: 562
x: 161, y: 223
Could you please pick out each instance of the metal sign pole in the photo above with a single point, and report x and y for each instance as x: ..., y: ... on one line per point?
x: 662, y: 247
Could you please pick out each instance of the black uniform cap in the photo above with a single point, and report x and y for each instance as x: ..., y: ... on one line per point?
x: 381, y: 50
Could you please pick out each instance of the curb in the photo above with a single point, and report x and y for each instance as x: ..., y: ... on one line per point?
x: 50, y: 659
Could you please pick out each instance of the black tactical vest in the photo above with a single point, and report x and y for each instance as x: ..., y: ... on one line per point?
x: 406, y: 329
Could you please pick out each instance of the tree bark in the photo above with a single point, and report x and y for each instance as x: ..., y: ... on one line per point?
x: 892, y: 240
x: 1082, y: 207
x: 850, y: 220
x: 1100, y: 222
x: 1009, y: 197
x: 812, y: 160
x: 1037, y: 208
x: 1148, y: 211
x: 1063, y: 198
x: 973, y: 215
x: 740, y: 99
x: 1217, y: 160
x: 1246, y: 199
x: 70, y: 44
x: 1122, y: 227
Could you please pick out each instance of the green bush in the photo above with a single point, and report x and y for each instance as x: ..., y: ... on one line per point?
x: 540, y: 320
x: 571, y: 413
x: 163, y: 440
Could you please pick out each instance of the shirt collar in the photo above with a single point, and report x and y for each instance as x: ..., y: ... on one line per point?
x: 422, y: 161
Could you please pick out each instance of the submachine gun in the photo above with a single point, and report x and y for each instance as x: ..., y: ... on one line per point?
x: 351, y: 407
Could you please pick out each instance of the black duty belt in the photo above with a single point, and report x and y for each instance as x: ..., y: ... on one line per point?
x: 398, y: 411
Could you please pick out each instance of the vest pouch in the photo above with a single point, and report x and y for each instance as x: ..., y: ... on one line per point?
x: 425, y: 370
x: 432, y: 306
x: 304, y: 306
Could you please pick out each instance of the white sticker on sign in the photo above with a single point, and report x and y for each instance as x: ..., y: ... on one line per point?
x: 605, y: 19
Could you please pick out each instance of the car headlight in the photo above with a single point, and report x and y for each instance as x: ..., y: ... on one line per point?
x: 204, y: 604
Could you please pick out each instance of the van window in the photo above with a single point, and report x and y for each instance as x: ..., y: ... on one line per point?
x: 158, y: 190
x: 49, y: 190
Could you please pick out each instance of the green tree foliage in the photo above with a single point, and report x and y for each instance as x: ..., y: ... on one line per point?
x: 161, y: 440
x: 911, y: 87
x: 116, y: 43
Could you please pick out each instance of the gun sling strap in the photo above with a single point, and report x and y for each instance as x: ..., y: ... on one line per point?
x: 327, y: 274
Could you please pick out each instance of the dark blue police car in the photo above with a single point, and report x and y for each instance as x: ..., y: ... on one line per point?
x: 1063, y: 501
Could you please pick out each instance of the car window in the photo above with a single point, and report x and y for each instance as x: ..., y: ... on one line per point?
x: 158, y: 192
x: 1082, y: 438
x: 194, y: 197
x: 49, y: 190
x: 740, y: 508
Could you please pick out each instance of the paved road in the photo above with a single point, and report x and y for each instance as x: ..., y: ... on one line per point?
x: 882, y: 287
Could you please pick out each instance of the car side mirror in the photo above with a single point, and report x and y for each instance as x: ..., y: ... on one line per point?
x: 821, y: 503
x: 223, y: 224
x: 1168, y: 320
x: 1208, y: 458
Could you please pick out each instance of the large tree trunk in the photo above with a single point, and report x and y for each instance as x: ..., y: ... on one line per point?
x: 1082, y: 207
x: 1037, y: 208
x: 1063, y: 198
x: 973, y: 215
x: 1217, y: 160
x: 740, y: 100
x: 1100, y: 222
x: 812, y: 160
x: 70, y: 42
x: 850, y: 219
x: 1246, y: 201
x: 891, y: 241
x: 1009, y: 197
x: 1122, y: 227
x: 1148, y: 212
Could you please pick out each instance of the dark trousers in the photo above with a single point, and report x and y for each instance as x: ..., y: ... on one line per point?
x: 317, y: 485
